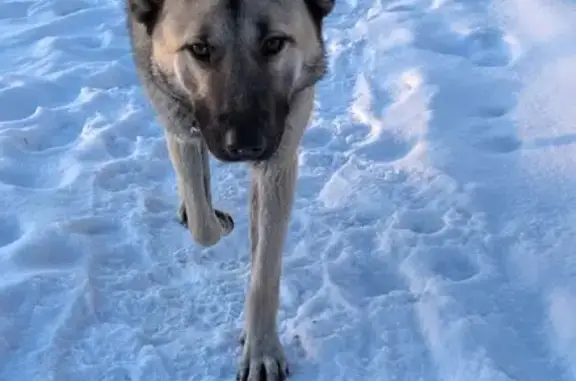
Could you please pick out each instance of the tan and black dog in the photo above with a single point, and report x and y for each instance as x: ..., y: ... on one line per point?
x: 235, y: 79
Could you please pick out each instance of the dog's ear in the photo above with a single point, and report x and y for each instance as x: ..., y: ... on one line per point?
x: 145, y: 12
x: 320, y: 8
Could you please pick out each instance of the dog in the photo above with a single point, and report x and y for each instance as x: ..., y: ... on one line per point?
x: 235, y: 79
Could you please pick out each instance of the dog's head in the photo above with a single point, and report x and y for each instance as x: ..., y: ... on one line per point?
x: 238, y: 62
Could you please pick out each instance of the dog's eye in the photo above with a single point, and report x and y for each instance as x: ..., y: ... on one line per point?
x: 199, y: 50
x: 273, y: 46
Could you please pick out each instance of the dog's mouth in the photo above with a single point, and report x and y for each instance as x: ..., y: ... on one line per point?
x: 227, y: 158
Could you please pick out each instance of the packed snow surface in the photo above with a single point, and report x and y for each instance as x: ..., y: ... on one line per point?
x: 433, y: 232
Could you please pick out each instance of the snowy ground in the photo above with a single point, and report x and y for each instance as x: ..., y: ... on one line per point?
x: 432, y: 237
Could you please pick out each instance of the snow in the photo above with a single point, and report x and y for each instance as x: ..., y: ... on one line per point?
x: 432, y: 236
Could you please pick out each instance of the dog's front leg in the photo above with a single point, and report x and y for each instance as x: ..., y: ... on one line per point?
x: 190, y: 161
x: 273, y: 189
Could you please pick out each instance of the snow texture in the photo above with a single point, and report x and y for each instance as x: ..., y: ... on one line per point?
x: 432, y: 235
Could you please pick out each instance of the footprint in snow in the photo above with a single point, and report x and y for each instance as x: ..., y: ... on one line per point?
x: 363, y: 277
x: 91, y: 226
x: 14, y: 10
x: 386, y: 148
x: 31, y: 175
x: 317, y: 137
x: 118, y: 146
x: 495, y: 110
x: 488, y: 48
x: 497, y: 137
x: 420, y: 221
x: 10, y: 230
x: 47, y: 250
x: 483, y: 46
x: 499, y: 144
x: 15, y: 103
x: 121, y: 174
x: 450, y: 263
x: 46, y: 130
x: 20, y: 102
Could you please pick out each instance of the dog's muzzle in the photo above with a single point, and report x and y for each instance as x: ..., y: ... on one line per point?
x: 243, y: 147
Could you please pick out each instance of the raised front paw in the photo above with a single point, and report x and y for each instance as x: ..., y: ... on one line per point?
x: 263, y: 359
x: 226, y: 220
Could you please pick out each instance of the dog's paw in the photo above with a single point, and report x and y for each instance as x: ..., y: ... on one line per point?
x: 263, y: 359
x: 182, y: 216
x: 226, y: 220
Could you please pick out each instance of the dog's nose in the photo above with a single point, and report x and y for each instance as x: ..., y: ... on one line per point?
x: 241, y: 147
